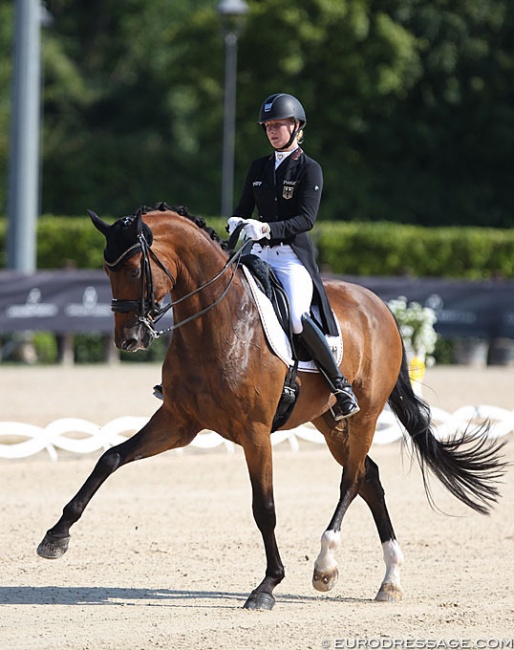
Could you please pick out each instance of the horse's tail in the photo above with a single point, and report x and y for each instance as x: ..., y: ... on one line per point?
x: 469, y: 473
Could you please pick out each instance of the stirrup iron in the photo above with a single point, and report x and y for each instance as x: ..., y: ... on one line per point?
x: 346, y: 404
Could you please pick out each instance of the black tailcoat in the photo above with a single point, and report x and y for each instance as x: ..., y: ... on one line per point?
x: 288, y: 199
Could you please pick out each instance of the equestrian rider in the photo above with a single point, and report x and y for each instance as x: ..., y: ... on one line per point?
x: 285, y: 188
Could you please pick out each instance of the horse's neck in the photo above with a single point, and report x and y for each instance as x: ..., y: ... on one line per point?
x: 230, y: 324
x: 230, y: 320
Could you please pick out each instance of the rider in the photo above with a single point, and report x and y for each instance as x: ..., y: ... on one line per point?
x: 285, y: 187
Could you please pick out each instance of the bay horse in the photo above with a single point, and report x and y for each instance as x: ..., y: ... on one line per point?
x: 219, y: 373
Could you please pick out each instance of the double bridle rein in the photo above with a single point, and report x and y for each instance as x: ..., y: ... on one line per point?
x: 149, y: 310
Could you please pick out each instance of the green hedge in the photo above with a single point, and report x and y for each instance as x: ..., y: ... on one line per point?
x: 387, y: 249
x: 380, y: 248
x: 63, y: 242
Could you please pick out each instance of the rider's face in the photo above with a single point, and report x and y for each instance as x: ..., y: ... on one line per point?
x: 279, y: 132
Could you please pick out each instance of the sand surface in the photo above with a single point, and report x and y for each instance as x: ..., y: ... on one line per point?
x: 167, y: 551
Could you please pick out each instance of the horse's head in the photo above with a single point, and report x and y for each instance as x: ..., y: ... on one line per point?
x: 137, y: 290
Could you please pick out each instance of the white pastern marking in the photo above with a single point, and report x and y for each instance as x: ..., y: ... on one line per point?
x: 393, y: 558
x: 326, y: 560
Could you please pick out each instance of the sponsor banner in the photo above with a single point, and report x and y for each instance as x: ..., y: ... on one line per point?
x: 79, y: 301
x: 464, y: 308
x: 55, y: 301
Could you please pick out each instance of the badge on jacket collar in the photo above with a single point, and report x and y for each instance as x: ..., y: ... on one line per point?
x: 288, y: 189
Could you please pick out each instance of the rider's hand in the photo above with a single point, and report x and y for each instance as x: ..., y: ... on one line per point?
x: 232, y: 224
x: 256, y: 230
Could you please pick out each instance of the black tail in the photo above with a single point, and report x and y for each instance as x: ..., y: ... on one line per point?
x: 469, y: 473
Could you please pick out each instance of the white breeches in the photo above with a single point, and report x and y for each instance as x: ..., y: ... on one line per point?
x: 293, y: 276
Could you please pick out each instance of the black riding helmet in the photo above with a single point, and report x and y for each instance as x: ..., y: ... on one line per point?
x: 281, y: 106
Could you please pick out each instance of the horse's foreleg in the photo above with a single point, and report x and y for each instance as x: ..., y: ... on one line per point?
x: 372, y: 492
x: 152, y: 439
x: 259, y: 463
x: 55, y: 543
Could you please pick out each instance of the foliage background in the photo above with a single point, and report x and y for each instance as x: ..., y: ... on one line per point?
x: 410, y: 104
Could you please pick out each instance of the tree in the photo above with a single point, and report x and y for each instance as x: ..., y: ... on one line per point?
x: 448, y: 149
x: 409, y: 104
x: 142, y: 127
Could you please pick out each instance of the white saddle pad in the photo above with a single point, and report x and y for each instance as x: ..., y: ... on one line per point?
x: 276, y: 336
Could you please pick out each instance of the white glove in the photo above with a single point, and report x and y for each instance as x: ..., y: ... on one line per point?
x: 256, y: 230
x: 233, y: 223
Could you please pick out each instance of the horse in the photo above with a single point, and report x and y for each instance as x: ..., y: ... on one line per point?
x: 219, y: 373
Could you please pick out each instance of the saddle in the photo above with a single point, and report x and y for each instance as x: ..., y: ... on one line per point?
x: 269, y: 284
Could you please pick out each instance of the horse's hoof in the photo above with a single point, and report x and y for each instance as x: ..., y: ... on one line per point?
x: 52, y: 548
x: 326, y: 580
x: 389, y: 593
x: 260, y: 600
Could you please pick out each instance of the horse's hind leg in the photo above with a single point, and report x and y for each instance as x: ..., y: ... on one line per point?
x: 152, y: 439
x: 349, y: 446
x: 326, y: 572
x: 349, y: 451
x: 360, y: 476
x: 372, y: 492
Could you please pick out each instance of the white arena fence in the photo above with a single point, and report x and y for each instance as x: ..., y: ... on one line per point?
x: 77, y: 436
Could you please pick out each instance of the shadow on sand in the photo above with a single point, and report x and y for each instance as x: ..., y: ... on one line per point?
x: 52, y: 595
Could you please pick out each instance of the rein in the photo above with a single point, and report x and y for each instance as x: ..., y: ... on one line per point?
x: 149, y: 311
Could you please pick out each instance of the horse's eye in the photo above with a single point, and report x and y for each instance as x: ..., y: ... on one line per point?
x: 135, y: 273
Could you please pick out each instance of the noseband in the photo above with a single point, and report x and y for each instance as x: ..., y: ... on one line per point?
x: 148, y: 309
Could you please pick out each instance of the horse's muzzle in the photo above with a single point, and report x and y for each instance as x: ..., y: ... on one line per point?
x: 131, y: 339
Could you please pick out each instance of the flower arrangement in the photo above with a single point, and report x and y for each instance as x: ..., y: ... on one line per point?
x: 416, y: 327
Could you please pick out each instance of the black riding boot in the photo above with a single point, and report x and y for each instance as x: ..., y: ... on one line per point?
x: 316, y: 344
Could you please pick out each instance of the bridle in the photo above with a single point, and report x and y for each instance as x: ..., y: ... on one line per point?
x: 149, y: 310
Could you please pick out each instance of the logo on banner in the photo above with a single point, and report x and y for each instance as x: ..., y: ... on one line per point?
x: 461, y: 316
x: 33, y: 307
x: 89, y: 307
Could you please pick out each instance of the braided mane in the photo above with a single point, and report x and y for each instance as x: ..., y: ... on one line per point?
x: 184, y: 212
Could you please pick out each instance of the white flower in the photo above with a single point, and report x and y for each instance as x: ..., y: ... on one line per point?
x: 416, y: 325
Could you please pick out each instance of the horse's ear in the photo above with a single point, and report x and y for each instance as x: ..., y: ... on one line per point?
x: 98, y: 223
x: 139, y: 221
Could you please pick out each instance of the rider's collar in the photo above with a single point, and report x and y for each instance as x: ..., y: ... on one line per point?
x: 280, y: 156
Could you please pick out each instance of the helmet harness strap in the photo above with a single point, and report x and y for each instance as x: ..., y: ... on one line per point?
x: 293, y: 136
